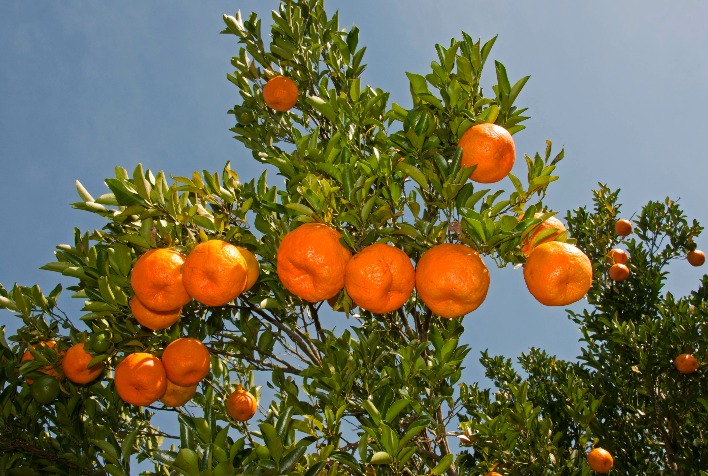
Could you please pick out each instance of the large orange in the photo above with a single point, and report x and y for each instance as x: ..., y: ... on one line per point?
x: 491, y: 148
x: 215, y: 273
x: 280, y: 93
x: 451, y: 279
x: 155, y: 320
x: 157, y: 280
x: 551, y: 223
x: 177, y: 395
x: 140, y: 379
x: 75, y: 365
x: 311, y: 262
x: 600, y: 460
x: 686, y: 363
x: 252, y: 266
x: 241, y: 404
x: 186, y: 361
x: 49, y: 369
x: 557, y: 273
x: 380, y: 278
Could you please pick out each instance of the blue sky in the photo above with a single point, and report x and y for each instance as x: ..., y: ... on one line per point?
x: 86, y: 86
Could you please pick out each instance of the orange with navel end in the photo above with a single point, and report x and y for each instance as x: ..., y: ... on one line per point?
x: 686, y: 363
x: 75, y: 365
x: 280, y: 93
x: 186, y: 361
x: 311, y: 262
x: 551, y: 223
x: 215, y: 273
x: 600, y: 460
x: 619, y: 272
x: 140, y: 379
x: 623, y: 227
x: 380, y: 278
x: 696, y: 258
x: 252, y: 266
x: 155, y: 320
x: 156, y: 279
x: 49, y: 369
x: 451, y: 279
x: 491, y: 148
x: 177, y: 395
x: 241, y: 404
x: 557, y: 273
x: 617, y: 256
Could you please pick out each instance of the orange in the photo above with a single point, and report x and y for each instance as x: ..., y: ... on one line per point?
x: 280, y: 93
x: 551, y: 223
x: 140, y: 379
x: 623, y: 227
x: 76, y: 365
x: 451, y: 279
x: 696, y: 257
x: 311, y: 262
x: 215, y: 273
x: 186, y: 361
x: 177, y: 395
x: 493, y: 473
x: 157, y: 280
x: 49, y: 369
x: 600, y: 460
x: 252, y: 266
x: 619, y: 272
x: 155, y: 320
x: 380, y: 278
x: 241, y: 404
x: 557, y: 273
x: 617, y: 256
x: 491, y: 148
x: 686, y: 363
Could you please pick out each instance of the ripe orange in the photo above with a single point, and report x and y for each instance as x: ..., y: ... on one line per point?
x: 557, y: 273
x: 493, y: 473
x: 215, y: 273
x: 311, y: 262
x: 619, y: 272
x: 140, y: 379
x: 155, y: 320
x: 252, y: 266
x: 75, y: 365
x: 186, y: 361
x: 177, y: 395
x: 617, y: 256
x: 491, y: 148
x: 696, y: 257
x: 623, y: 227
x: 600, y: 460
x: 451, y: 279
x: 280, y: 93
x: 686, y: 363
x: 548, y: 224
x: 380, y: 278
x: 49, y: 369
x: 157, y: 280
x: 241, y: 404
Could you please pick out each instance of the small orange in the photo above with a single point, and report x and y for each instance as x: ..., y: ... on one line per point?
x: 623, y: 227
x: 177, y: 395
x: 241, y: 404
x: 696, y: 258
x: 49, y: 369
x: 311, y: 262
x: 155, y: 320
x: 157, y: 280
x: 493, y: 473
x: 75, y: 365
x: 215, y: 272
x: 380, y: 278
x: 280, y: 93
x: 140, y: 379
x: 551, y: 223
x: 619, y: 272
x: 600, y: 460
x: 617, y: 256
x: 491, y: 148
x: 557, y: 273
x: 451, y: 279
x: 252, y: 266
x: 186, y: 361
x: 686, y: 363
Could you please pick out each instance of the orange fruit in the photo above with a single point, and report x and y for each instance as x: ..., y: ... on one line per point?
x: 215, y: 273
x: 619, y: 272
x: 280, y: 93
x: 241, y: 404
x: 617, y: 256
x: 157, y: 280
x: 155, y: 320
x: 311, y: 262
x: 493, y: 473
x: 451, y: 279
x: 177, y: 395
x: 186, y: 361
x: 557, y: 273
x: 623, y: 227
x: 686, y: 363
x: 75, y: 365
x: 49, y: 369
x: 600, y: 460
x: 252, y: 267
x: 140, y: 379
x: 380, y: 278
x: 551, y: 223
x: 696, y: 257
x: 491, y: 148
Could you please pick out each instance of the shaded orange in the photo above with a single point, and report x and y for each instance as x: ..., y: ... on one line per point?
x: 696, y: 257
x: 380, y: 278
x: 252, y: 267
x: 280, y: 93
x: 619, y: 272
x: 600, y: 460
x: 157, y: 280
x: 451, y: 279
x: 241, y: 404
x: 550, y: 223
x: 140, y: 379
x: 686, y: 363
x: 186, y: 361
x: 311, y: 262
x: 155, y: 320
x: 491, y: 148
x: 623, y: 227
x: 75, y: 365
x: 214, y: 272
x: 49, y: 369
x: 617, y: 256
x: 557, y: 273
x: 177, y: 395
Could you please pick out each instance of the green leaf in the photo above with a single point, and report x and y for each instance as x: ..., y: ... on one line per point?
x: 396, y: 408
x: 413, y: 172
x: 443, y: 465
x: 289, y: 460
x: 128, y: 442
x: 272, y: 441
x: 372, y: 411
x: 123, y: 195
x: 323, y: 107
x: 316, y: 468
x: 186, y: 462
x: 83, y: 193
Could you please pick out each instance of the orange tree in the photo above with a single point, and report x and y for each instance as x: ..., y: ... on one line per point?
x: 379, y: 392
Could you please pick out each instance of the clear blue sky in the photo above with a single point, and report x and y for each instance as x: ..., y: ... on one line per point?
x: 86, y: 86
